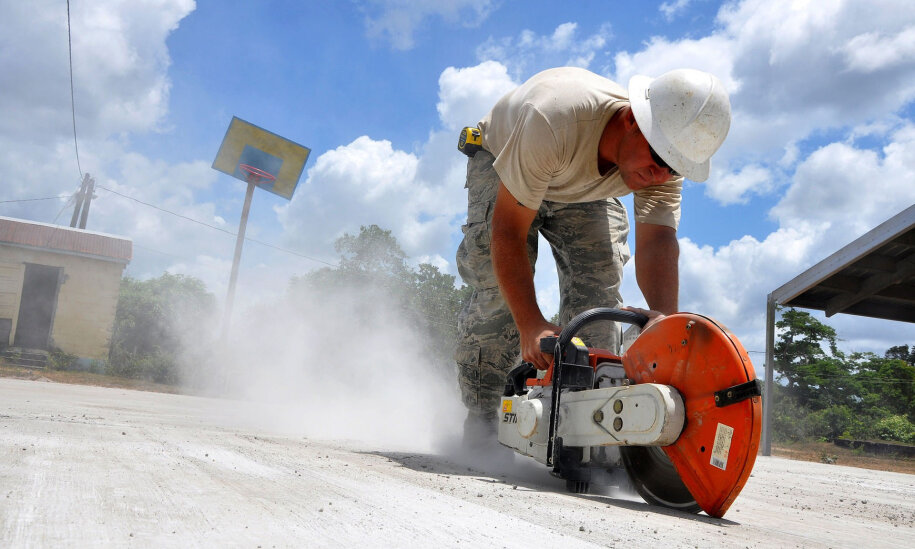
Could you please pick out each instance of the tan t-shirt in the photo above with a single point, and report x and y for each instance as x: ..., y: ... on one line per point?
x: 545, y: 135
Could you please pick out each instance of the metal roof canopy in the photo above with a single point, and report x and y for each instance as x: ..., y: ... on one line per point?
x: 873, y: 276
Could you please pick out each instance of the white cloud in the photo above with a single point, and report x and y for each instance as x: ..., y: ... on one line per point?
x: 367, y: 176
x: 731, y: 282
x: 436, y: 261
x: 871, y: 52
x: 396, y: 21
x: 674, y: 8
x: 120, y: 61
x: 529, y: 52
x: 660, y: 55
x: 382, y: 186
x: 466, y: 95
x: 735, y: 188
x: 851, y: 189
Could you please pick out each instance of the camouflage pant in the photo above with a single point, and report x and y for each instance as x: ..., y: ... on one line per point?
x: 589, y: 245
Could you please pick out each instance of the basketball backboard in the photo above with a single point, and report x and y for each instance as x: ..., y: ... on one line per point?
x: 247, y: 146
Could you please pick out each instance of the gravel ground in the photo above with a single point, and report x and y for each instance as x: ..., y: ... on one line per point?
x: 88, y: 466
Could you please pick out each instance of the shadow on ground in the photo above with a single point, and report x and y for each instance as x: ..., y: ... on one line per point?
x: 501, y: 466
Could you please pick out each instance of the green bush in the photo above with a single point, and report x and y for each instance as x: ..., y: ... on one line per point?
x: 157, y: 367
x: 157, y: 324
x: 789, y: 420
x: 830, y: 423
x: 895, y: 428
x: 62, y: 360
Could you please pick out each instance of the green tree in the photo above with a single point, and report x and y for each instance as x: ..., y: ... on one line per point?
x: 823, y: 393
x: 902, y: 352
x: 373, y: 260
x: 372, y: 257
x: 434, y: 304
x: 888, y: 383
x: 153, y: 321
x: 374, y: 253
x: 809, y: 364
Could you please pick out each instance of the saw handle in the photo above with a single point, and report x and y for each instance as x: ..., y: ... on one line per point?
x: 548, y: 344
x: 518, y: 376
x: 592, y: 315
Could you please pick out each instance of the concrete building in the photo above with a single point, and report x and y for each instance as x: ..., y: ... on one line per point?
x: 59, y: 287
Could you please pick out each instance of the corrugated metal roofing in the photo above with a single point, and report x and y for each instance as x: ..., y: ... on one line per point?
x: 873, y: 276
x: 65, y: 239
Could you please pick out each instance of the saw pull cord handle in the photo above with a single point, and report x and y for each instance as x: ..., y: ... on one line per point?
x: 517, y: 378
x: 565, y: 337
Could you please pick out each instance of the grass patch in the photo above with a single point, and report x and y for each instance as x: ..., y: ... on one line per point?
x: 84, y: 378
x: 826, y: 452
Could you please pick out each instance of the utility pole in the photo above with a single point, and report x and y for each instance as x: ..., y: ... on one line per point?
x: 80, y: 195
x: 90, y: 188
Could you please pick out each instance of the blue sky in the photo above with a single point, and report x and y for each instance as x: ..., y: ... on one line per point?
x: 822, y: 144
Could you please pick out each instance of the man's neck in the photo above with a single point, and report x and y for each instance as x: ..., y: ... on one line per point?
x: 609, y: 146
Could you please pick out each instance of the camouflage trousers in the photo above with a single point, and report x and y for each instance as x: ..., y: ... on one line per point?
x: 588, y: 241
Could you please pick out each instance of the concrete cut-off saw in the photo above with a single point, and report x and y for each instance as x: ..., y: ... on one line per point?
x: 679, y: 411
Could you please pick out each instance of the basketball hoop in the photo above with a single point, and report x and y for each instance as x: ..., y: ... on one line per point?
x: 256, y: 175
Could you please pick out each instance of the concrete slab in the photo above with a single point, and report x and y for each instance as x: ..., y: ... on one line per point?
x: 88, y: 466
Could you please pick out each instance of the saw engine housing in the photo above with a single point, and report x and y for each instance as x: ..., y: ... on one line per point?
x: 680, y: 411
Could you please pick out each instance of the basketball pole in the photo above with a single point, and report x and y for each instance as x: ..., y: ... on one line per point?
x: 239, y: 242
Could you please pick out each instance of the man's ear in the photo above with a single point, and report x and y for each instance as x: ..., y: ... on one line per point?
x: 628, y: 119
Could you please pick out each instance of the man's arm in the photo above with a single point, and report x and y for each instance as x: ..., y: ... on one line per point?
x: 511, y: 222
x: 656, y: 254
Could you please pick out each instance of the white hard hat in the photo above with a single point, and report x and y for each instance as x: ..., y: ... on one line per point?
x: 684, y: 115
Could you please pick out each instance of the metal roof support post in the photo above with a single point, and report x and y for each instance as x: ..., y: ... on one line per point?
x: 770, y: 367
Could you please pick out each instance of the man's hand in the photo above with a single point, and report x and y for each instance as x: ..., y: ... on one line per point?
x: 530, y: 345
x: 653, y: 316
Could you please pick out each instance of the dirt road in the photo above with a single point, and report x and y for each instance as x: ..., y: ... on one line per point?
x: 87, y: 466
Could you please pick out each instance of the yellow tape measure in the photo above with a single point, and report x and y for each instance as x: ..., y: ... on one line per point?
x: 470, y: 141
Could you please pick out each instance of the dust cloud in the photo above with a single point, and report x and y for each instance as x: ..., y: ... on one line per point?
x: 341, y: 366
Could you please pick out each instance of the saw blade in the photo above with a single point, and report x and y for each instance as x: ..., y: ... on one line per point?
x: 655, y: 479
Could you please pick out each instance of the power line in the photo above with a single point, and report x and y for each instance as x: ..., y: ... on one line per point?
x: 167, y: 211
x: 857, y: 377
x: 66, y: 205
x: 29, y: 199
x: 135, y: 245
x: 72, y: 98
x: 214, y: 227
